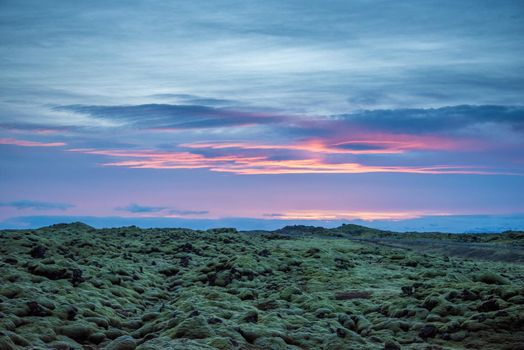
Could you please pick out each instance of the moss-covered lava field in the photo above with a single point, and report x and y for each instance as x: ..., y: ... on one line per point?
x: 71, y: 286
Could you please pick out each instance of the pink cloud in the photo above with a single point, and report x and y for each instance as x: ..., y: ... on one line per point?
x: 314, y: 155
x: 37, y: 131
x: 315, y: 146
x: 356, y: 144
x: 257, y: 165
x: 26, y: 143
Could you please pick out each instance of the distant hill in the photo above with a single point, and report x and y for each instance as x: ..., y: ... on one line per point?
x: 363, y: 232
x: 71, y: 226
x: 350, y: 231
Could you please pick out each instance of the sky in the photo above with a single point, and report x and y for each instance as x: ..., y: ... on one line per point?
x: 403, y: 115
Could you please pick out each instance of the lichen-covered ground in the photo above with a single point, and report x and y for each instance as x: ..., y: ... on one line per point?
x: 73, y: 287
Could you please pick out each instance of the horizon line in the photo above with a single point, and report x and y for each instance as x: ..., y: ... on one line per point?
x: 482, y: 223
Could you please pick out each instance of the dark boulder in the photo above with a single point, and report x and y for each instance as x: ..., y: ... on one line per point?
x: 391, y: 345
x: 407, y: 290
x: 35, y: 309
x: 169, y: 271
x: 353, y: 294
x: 487, y: 306
x: 428, y: 331
x: 251, y: 317
x: 468, y: 295
x: 52, y: 272
x: 76, y: 277
x: 184, y: 261
x: 38, y: 252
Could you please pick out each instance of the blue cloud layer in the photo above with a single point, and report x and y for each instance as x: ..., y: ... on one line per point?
x: 36, y: 205
x: 136, y: 208
x: 433, y: 120
x: 311, y: 56
x: 414, y: 120
x: 142, y: 209
x: 171, y: 116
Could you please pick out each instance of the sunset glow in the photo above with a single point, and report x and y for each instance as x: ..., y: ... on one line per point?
x: 239, y: 164
x: 337, y: 215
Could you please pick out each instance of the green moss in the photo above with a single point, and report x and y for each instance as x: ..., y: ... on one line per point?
x: 229, y: 290
x: 193, y: 328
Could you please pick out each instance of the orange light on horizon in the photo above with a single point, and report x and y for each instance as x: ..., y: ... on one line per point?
x: 351, y: 215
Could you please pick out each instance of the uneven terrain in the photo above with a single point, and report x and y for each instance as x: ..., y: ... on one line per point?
x: 70, y: 286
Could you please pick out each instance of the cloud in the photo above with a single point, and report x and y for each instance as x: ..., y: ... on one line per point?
x: 356, y: 143
x: 344, y: 145
x: 436, y: 120
x: 163, y: 211
x: 367, y: 141
x: 260, y: 165
x: 136, y: 208
x: 444, y: 120
x: 187, y: 99
x: 36, y: 205
x: 26, y: 143
x: 263, y: 53
x: 38, y: 129
x: 188, y: 212
x: 167, y: 116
